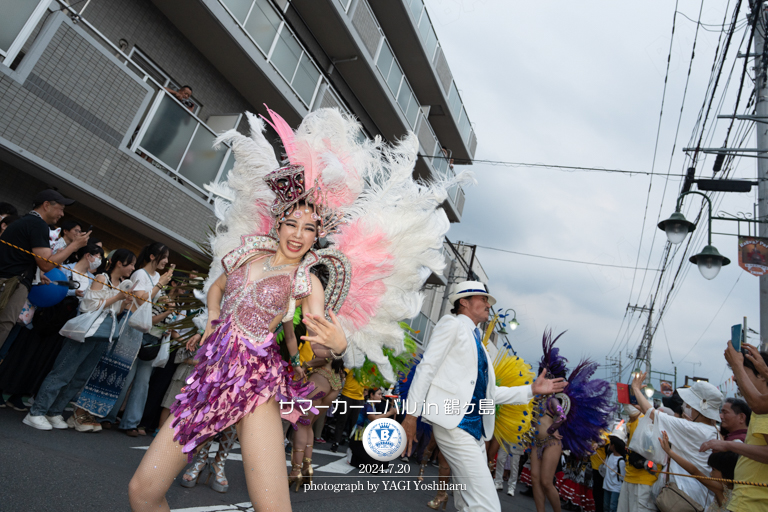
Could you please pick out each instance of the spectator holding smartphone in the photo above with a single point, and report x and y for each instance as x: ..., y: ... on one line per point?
x: 697, y: 426
x: 753, y: 463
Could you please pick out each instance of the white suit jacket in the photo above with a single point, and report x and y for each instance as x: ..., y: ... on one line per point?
x: 448, y: 371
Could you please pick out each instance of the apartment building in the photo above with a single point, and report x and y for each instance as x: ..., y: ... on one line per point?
x: 85, y: 105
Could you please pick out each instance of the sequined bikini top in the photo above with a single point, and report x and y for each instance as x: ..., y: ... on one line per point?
x: 254, y: 304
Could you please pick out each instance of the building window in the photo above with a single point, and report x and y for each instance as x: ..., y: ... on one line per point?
x: 18, y: 20
x: 265, y: 26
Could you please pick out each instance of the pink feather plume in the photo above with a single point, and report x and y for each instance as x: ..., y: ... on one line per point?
x: 371, y: 260
x: 285, y: 132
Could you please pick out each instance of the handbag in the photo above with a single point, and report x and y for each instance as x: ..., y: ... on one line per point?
x: 672, y: 499
x: 164, y: 354
x: 78, y: 327
x: 150, y: 347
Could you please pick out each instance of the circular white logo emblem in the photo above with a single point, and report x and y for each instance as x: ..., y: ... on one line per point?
x: 384, y: 439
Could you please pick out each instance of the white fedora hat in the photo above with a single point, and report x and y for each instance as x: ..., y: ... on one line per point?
x: 468, y: 289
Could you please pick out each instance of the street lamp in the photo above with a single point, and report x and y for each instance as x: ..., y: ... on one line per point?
x: 638, y: 372
x: 709, y: 260
x: 512, y: 323
x: 649, y: 391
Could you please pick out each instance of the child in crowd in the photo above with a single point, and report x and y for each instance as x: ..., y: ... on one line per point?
x: 615, y: 467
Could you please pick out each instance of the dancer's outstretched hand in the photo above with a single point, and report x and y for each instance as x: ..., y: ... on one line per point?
x: 409, y: 425
x: 544, y: 386
x: 325, y: 333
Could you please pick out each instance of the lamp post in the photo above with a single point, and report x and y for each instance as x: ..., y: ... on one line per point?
x: 709, y: 260
x: 512, y: 323
x: 649, y: 391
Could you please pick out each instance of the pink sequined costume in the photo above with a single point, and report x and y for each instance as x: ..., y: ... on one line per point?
x: 240, y: 365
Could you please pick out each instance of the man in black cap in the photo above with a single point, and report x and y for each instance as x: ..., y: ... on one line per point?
x: 17, y: 268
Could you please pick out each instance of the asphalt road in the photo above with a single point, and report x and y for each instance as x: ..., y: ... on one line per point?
x: 66, y: 471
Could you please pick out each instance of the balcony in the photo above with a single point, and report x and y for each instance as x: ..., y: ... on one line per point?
x: 413, y: 39
x: 349, y: 34
x: 251, y: 44
x: 90, y: 106
x: 437, y: 164
x: 175, y: 140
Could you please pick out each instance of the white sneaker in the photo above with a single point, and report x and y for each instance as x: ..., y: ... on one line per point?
x: 38, y: 422
x: 57, y: 422
x: 72, y: 422
x: 499, y: 486
x: 511, y: 491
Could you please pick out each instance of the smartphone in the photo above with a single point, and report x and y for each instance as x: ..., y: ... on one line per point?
x: 736, y: 337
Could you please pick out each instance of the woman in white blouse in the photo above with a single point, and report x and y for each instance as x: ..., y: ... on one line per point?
x: 147, y: 285
x: 88, y: 261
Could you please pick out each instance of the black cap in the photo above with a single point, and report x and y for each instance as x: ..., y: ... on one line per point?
x: 51, y: 195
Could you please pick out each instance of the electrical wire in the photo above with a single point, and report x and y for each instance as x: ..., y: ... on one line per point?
x: 561, y: 259
x: 713, y: 318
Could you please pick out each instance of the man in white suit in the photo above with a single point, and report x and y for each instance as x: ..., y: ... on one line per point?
x: 454, y: 389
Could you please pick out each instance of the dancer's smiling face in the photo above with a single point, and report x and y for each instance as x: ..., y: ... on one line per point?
x: 297, y: 233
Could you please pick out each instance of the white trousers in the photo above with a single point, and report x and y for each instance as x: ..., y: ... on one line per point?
x: 469, y: 468
x: 505, y: 461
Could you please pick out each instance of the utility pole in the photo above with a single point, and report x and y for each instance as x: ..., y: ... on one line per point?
x: 761, y: 111
x: 644, y: 350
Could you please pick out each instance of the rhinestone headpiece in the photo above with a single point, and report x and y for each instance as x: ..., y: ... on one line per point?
x: 288, y: 184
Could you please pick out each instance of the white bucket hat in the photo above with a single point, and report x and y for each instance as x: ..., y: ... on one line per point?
x: 619, y: 431
x: 468, y: 289
x: 704, y: 398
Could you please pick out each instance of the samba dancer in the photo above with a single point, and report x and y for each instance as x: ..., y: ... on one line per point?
x: 455, y: 369
x: 386, y: 240
x: 571, y: 420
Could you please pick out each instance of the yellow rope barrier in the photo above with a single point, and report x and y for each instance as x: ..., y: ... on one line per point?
x: 724, y: 480
x: 84, y: 275
x: 699, y: 477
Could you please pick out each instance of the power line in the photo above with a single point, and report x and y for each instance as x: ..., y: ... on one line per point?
x: 713, y: 318
x: 506, y: 163
x: 564, y: 259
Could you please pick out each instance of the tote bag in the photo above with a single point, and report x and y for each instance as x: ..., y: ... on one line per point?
x: 141, y: 319
x: 76, y: 328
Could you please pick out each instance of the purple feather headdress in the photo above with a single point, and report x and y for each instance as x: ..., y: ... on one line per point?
x: 552, y: 361
x: 591, y: 409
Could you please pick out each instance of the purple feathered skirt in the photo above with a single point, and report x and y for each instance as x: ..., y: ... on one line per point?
x: 233, y: 377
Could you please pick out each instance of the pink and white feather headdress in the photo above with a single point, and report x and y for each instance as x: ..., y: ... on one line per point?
x: 393, y: 230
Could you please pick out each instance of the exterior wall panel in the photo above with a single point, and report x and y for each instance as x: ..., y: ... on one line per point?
x: 73, y: 112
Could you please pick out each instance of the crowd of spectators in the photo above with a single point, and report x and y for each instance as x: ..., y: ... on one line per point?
x: 715, y: 450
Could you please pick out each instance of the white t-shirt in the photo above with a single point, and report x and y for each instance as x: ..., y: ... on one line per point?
x: 144, y: 281
x: 612, y: 481
x: 686, y: 437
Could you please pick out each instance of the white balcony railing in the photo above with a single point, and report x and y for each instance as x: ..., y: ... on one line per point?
x: 174, y: 139
x: 423, y: 23
x: 398, y: 84
x: 439, y: 161
x: 265, y: 26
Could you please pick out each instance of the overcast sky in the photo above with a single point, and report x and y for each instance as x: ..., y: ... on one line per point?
x: 580, y: 84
